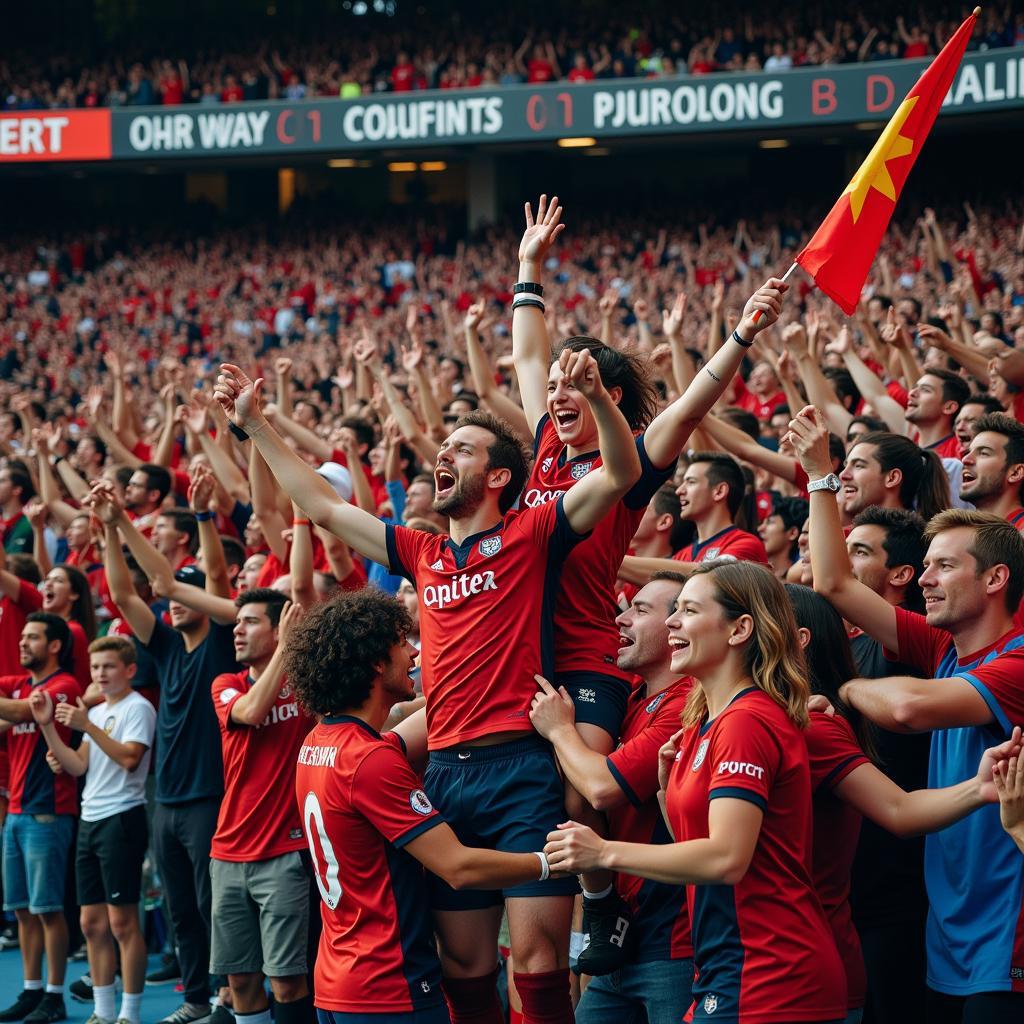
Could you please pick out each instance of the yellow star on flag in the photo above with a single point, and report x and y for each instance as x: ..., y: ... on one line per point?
x: 873, y: 173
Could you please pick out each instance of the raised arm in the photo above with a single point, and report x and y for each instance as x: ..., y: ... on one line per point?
x: 240, y: 398
x: 136, y: 612
x: 215, y: 565
x: 253, y: 706
x: 195, y: 418
x: 531, y: 346
x: 300, y: 561
x: 666, y: 437
x: 819, y: 388
x: 587, y: 502
x: 264, y: 503
x: 743, y: 446
x: 483, y: 376
x: 833, y: 575
x: 163, y: 453
x: 868, y: 383
x: 302, y: 436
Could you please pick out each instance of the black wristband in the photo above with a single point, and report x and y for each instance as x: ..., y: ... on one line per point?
x: 528, y: 302
x: 203, y: 517
x: 58, y: 459
x: 527, y: 286
x: 739, y: 341
x: 238, y: 431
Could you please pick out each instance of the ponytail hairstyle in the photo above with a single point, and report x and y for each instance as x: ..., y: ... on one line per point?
x: 82, y: 609
x: 772, y: 656
x: 829, y: 658
x: 639, y: 402
x: 925, y: 486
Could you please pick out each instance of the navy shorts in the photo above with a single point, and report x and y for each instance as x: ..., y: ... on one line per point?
x: 507, y: 797
x: 431, y: 1015
x: 599, y: 700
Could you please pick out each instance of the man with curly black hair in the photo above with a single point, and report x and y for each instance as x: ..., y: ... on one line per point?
x: 368, y: 820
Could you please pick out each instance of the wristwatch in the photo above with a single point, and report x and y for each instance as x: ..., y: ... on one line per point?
x: 825, y: 483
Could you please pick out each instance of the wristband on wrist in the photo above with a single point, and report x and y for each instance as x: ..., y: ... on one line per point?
x: 238, y: 431
x: 301, y: 522
x: 739, y: 341
x: 545, y: 867
x: 58, y: 459
x: 204, y: 517
x: 527, y: 300
x: 527, y: 286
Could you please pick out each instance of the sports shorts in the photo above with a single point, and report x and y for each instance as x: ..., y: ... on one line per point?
x: 507, y: 797
x: 109, y: 856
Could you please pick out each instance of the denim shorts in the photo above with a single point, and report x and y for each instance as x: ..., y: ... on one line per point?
x: 36, y: 850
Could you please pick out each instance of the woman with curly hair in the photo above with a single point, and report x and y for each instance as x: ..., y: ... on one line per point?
x: 371, y: 828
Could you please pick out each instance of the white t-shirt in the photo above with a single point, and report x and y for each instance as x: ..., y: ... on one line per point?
x: 109, y: 788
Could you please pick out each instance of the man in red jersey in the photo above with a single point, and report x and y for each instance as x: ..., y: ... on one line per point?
x: 144, y: 496
x: 657, y: 975
x: 369, y: 821
x: 260, y: 884
x: 932, y: 405
x: 994, y: 468
x: 973, y: 658
x: 40, y: 820
x: 485, y: 596
x: 710, y: 495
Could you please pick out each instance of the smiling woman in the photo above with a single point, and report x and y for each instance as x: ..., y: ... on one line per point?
x: 736, y: 795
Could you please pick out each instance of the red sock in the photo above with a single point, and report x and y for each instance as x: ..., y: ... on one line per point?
x: 474, y: 1000
x: 545, y: 997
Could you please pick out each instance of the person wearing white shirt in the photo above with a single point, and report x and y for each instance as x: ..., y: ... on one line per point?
x: 117, y: 741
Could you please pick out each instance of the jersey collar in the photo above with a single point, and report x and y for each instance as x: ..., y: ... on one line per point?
x: 350, y: 720
x: 563, y: 460
x: 700, y: 545
x: 460, y: 552
x: 711, y: 721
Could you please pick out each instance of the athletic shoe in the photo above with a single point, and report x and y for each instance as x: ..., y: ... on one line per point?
x: 188, y: 1013
x: 26, y: 1002
x: 94, y: 1018
x: 9, y: 938
x: 608, y: 923
x: 221, y: 1015
x: 51, y: 1008
x: 81, y: 990
x: 168, y: 971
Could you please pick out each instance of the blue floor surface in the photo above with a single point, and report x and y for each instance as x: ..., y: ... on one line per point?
x: 157, y: 1002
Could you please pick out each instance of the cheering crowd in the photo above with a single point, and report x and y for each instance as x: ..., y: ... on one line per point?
x: 416, y: 51
x: 431, y: 596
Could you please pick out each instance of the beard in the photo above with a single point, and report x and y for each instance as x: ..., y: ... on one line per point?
x: 464, y: 499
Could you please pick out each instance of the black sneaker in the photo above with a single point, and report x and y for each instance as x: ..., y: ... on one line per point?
x: 51, y: 1008
x: 188, y: 1013
x: 26, y: 1002
x: 168, y: 971
x: 608, y: 923
x: 81, y: 990
x: 221, y: 1015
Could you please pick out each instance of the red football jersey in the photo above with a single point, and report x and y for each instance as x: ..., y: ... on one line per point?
x: 833, y: 753
x: 360, y: 804
x: 258, y: 818
x: 585, y: 608
x: 732, y: 542
x: 762, y: 948
x: 661, y: 918
x: 486, y: 610
x: 12, y: 621
x: 34, y: 788
x: 947, y: 448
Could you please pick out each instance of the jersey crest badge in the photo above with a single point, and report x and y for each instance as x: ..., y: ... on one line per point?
x: 61, y: 698
x: 286, y: 691
x: 709, y: 554
x: 702, y: 752
x: 710, y: 1004
x: 108, y: 725
x: 490, y: 546
x: 438, y: 565
x: 581, y: 469
x: 653, y: 706
x: 419, y: 802
x: 546, y: 464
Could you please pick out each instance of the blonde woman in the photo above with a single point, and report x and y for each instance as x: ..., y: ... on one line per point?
x: 736, y: 793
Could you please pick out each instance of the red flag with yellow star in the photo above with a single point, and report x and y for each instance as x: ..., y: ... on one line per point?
x: 842, y: 250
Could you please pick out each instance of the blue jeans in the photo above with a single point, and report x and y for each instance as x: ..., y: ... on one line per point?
x: 658, y: 991
x: 36, y: 860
